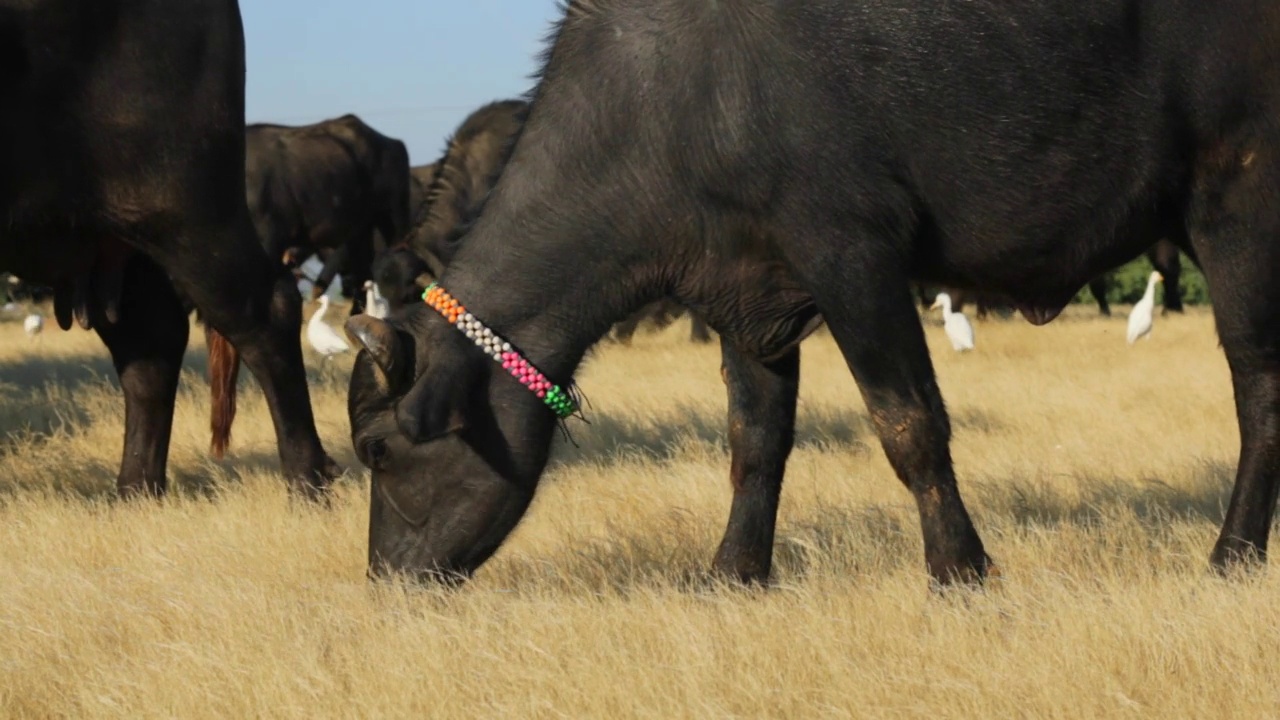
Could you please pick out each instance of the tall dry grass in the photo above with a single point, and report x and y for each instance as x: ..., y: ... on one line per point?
x: 1096, y: 472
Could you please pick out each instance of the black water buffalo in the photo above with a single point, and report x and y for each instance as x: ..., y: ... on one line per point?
x: 122, y: 187
x: 775, y: 165
x: 328, y: 188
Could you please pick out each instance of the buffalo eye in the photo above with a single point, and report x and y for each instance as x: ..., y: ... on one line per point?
x: 373, y: 453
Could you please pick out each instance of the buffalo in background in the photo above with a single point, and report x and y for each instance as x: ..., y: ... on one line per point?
x: 333, y: 189
x: 122, y: 187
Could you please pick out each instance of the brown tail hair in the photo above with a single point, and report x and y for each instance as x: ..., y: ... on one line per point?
x: 224, y: 371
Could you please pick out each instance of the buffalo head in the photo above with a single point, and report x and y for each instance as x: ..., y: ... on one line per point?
x: 455, y: 448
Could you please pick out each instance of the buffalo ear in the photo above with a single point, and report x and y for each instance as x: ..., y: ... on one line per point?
x: 381, y: 341
x: 423, y: 281
x: 434, y: 265
x: 436, y: 405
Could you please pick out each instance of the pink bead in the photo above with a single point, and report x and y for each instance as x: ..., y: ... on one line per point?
x: 506, y: 365
x: 541, y: 394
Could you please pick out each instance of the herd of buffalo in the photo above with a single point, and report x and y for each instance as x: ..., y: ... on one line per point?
x: 767, y: 167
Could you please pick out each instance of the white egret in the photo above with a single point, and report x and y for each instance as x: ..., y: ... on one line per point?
x: 1142, y: 316
x: 323, y: 338
x: 374, y: 304
x: 33, y: 324
x: 959, y: 331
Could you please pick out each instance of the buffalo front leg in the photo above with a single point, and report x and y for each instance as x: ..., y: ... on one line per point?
x: 1234, y: 229
x: 762, y: 414
x: 873, y: 319
x: 147, y: 345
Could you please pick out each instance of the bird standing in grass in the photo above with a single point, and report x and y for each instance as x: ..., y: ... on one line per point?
x: 959, y: 331
x: 33, y: 324
x: 374, y: 304
x: 323, y: 338
x: 1142, y: 316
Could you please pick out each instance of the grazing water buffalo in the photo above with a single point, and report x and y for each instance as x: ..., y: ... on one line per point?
x: 122, y: 187
x: 328, y: 188
x: 773, y: 165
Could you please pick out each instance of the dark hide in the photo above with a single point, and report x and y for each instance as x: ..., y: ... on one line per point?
x: 337, y: 188
x: 122, y: 187
x: 768, y: 164
x: 473, y: 160
x: 401, y: 276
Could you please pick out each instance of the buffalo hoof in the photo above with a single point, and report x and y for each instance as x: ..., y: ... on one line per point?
x: 955, y: 574
x: 316, y: 488
x: 129, y: 490
x: 1232, y: 556
x: 740, y: 571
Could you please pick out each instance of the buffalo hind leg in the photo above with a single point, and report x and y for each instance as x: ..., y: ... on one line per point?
x: 255, y: 304
x: 1098, y: 286
x: 1234, y: 231
x: 147, y: 344
x: 877, y: 329
x: 762, y: 414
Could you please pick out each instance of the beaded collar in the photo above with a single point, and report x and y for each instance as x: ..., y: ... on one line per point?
x: 561, y: 402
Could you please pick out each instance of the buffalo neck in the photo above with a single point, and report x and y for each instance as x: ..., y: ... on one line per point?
x: 550, y: 294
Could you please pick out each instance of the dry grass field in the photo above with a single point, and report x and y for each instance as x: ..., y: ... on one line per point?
x: 1096, y: 472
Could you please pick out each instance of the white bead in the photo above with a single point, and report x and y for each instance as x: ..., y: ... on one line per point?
x: 506, y: 347
x: 468, y: 317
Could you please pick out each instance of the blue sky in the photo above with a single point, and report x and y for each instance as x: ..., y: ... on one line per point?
x: 413, y: 69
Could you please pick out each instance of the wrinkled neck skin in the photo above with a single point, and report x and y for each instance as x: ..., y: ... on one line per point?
x: 547, y: 265
x: 552, y: 277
